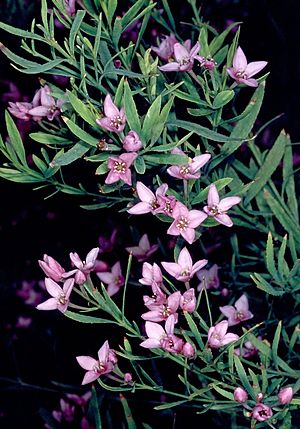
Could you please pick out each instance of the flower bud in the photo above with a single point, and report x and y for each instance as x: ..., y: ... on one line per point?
x: 224, y: 292
x: 259, y: 397
x: 285, y: 395
x: 188, y: 350
x: 127, y: 377
x: 188, y: 301
x: 262, y: 412
x: 52, y: 268
x: 132, y: 142
x: 240, y: 395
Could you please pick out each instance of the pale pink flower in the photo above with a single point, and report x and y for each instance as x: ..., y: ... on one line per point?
x: 96, y: 368
x: 218, y: 337
x: 240, y: 395
x: 132, y: 142
x: 157, y: 299
x: 248, y: 350
x: 150, y: 203
x: 70, y: 6
x: 184, y: 56
x: 185, y: 222
x: 20, y: 110
x: 239, y: 312
x: 188, y: 301
x: 114, y: 279
x: 158, y: 337
x: 285, y: 395
x: 120, y: 168
x: 184, y: 269
x: 166, y: 48
x: 218, y: 209
x: 190, y: 170
x: 262, y: 412
x: 188, y: 351
x: 114, y: 119
x: 208, y: 278
x: 60, y: 296
x: 83, y: 268
x: 163, y: 311
x: 49, y: 107
x: 242, y: 72
x: 52, y: 268
x: 143, y: 251
x: 151, y: 274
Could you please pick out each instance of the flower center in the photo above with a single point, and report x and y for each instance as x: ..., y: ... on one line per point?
x: 166, y: 311
x: 118, y: 281
x: 239, y: 315
x: 182, y: 223
x: 185, y: 169
x: 62, y: 299
x: 116, y: 121
x: 185, y: 272
x: 98, y: 368
x: 168, y: 207
x: 52, y: 108
x: 120, y: 167
x: 154, y: 204
x: 184, y: 61
x: 214, y: 210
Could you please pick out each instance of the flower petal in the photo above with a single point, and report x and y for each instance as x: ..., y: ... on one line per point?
x: 170, y: 67
x: 52, y: 287
x: 154, y: 330
x: 224, y: 219
x: 228, y: 202
x: 86, y: 362
x: 184, y: 259
x: 144, y: 193
x: 103, y: 352
x: 50, y: 304
x: 255, y: 67
x: 239, y: 60
x: 213, y: 198
x: 110, y: 109
x: 89, y: 377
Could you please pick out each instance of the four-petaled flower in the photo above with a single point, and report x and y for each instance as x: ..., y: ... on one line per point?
x: 143, y: 251
x: 218, y: 337
x: 190, y: 170
x: 158, y: 337
x: 242, y: 72
x: 218, y: 209
x: 120, y: 168
x: 132, y: 142
x: 188, y: 301
x: 60, y: 295
x: 184, y: 58
x: 151, y: 275
x: 114, y: 279
x: 162, y: 312
x: 52, y: 268
x: 83, y: 268
x: 114, y: 119
x: 166, y: 48
x: 105, y: 364
x: 185, y: 222
x: 49, y: 107
x: 238, y: 313
x: 150, y: 203
x: 184, y: 269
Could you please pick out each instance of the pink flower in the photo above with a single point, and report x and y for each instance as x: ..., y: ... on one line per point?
x: 120, y: 168
x: 207, y: 63
x: 184, y: 269
x: 185, y: 222
x: 107, y: 245
x: 132, y: 142
x: 150, y: 203
x: 190, y: 170
x: 162, y: 312
x: 188, y: 301
x: 60, y: 296
x: 70, y: 6
x: 162, y: 338
x: 166, y: 48
x: 49, y: 107
x: 113, y: 279
x: 188, y: 351
x: 285, y: 395
x: 23, y: 322
x: 184, y: 58
x: 20, y: 110
x: 114, y: 119
x: 151, y: 274
x: 262, y: 412
x: 238, y: 313
x: 240, y: 395
x: 218, y: 209
x: 242, y: 72
x: 94, y: 367
x: 83, y: 268
x: 217, y: 336
x: 127, y: 378
x: 81, y: 401
x: 143, y: 251
x: 208, y: 278
x: 248, y: 350
x: 157, y: 299
x: 28, y: 293
x: 52, y: 268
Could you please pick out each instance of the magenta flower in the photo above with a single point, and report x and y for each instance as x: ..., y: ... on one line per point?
x: 207, y: 63
x: 114, y: 119
x: 285, y: 395
x: 120, y: 168
x: 157, y: 299
x: 132, y: 142
x: 166, y: 48
x: 190, y: 170
x: 52, y: 268
x: 188, y: 301
x: 94, y: 367
x: 240, y: 395
x: 184, y: 269
x: 151, y: 274
x: 242, y: 72
x: 20, y: 110
x: 185, y: 222
x: 60, y: 296
x: 184, y: 58
x: 218, y: 337
x: 83, y: 268
x: 49, y: 107
x: 70, y: 6
x: 188, y: 351
x: 162, y: 312
x: 158, y: 337
x: 143, y: 251
x: 218, y: 209
x: 114, y: 279
x: 262, y: 412
x: 208, y: 278
x: 238, y: 313
x: 150, y: 203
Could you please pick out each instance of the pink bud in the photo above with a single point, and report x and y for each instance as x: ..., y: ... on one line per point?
x: 51, y: 268
x: 259, y: 397
x: 262, y: 412
x: 285, y: 395
x: 132, y: 142
x: 188, y: 301
x: 225, y: 292
x: 240, y: 395
x: 127, y: 377
x: 188, y: 350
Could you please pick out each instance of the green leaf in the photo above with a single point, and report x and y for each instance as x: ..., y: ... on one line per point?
x: 223, y: 392
x: 194, y: 329
x: 139, y: 165
x: 220, y: 184
x: 202, y: 111
x: 218, y: 41
x: 20, y: 177
x: 41, y: 68
x: 76, y: 152
x: 86, y: 319
x: 283, y: 268
x: 80, y: 133
x: 48, y: 139
x: 167, y: 158
x: 128, y: 414
x: 289, y: 179
x: 131, y: 110
x: 275, y: 344
x: 223, y: 98
x: 262, y: 284
x: 21, y: 33
x: 269, y: 166
x: 243, y: 377
x: 95, y: 409
x: 151, y: 119
x: 270, y: 257
x: 82, y: 109
x: 15, y: 138
x: 168, y: 405
x: 75, y: 29
x: 111, y: 8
